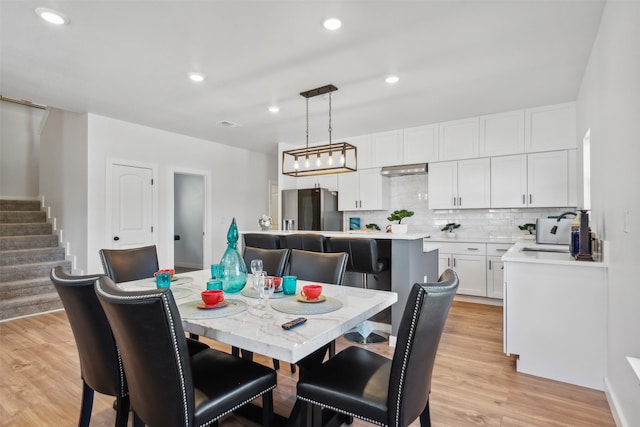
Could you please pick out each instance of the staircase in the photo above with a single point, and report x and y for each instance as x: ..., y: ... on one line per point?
x: 28, y: 252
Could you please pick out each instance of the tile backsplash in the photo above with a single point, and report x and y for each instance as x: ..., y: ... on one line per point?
x: 410, y: 192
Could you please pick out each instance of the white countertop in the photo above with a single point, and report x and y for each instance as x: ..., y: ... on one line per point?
x: 479, y: 239
x: 516, y: 254
x: 354, y: 234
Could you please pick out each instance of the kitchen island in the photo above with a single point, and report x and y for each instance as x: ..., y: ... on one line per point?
x: 555, y: 315
x: 409, y: 263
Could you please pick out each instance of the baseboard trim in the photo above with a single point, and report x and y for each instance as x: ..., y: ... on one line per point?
x: 618, y: 417
x: 479, y: 300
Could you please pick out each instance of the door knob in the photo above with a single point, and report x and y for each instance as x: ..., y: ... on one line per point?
x: 116, y: 238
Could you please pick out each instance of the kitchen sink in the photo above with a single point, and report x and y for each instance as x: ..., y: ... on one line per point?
x: 546, y: 248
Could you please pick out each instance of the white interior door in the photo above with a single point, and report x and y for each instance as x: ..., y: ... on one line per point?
x: 132, y: 205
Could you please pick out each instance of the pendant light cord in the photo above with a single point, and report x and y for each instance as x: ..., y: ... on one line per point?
x: 329, y: 122
x: 307, y: 123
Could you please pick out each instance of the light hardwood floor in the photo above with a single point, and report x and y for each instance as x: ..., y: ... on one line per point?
x: 474, y: 383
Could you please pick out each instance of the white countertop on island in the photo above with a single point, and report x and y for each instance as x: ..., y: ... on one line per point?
x: 354, y: 234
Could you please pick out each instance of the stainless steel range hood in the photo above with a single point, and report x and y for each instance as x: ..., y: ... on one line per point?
x: 401, y: 170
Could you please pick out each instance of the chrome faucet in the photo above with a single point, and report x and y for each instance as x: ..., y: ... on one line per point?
x: 555, y: 227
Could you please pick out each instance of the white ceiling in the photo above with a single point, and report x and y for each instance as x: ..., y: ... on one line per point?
x: 129, y: 60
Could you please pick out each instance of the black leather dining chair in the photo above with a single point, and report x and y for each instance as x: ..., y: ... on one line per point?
x: 318, y: 267
x: 274, y: 261
x: 167, y: 385
x: 125, y: 265
x: 100, y: 364
x: 368, y: 386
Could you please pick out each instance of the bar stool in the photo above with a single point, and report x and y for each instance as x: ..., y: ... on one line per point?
x: 363, y: 258
x: 263, y: 241
x: 305, y: 241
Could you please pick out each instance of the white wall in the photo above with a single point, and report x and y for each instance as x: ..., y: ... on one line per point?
x: 235, y: 176
x: 609, y: 105
x: 19, y: 150
x: 63, y: 179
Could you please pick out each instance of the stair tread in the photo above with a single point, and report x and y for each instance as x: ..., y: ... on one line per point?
x: 36, y: 281
x: 34, y: 265
x: 31, y: 250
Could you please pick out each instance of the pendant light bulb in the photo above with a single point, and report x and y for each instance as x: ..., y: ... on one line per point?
x: 330, y: 158
x: 342, y: 158
x: 306, y: 162
x: 318, y: 162
x: 296, y: 165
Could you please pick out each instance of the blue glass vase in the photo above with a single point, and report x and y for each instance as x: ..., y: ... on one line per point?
x: 232, y: 271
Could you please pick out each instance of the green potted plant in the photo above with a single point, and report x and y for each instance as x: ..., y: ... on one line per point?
x: 399, y: 215
x: 450, y: 229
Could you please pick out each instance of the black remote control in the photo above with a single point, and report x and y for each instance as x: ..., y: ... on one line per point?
x: 293, y: 323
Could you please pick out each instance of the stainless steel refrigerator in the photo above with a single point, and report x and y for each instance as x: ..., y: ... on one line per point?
x: 312, y: 209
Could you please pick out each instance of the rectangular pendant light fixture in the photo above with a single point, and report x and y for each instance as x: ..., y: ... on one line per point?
x: 325, y: 159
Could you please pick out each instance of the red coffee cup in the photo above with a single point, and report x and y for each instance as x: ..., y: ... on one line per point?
x: 212, y: 296
x: 171, y: 271
x: 311, y: 292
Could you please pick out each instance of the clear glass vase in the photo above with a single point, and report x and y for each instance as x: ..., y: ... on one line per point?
x: 232, y: 271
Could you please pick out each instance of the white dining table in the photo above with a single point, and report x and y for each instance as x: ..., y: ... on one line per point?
x: 255, y: 326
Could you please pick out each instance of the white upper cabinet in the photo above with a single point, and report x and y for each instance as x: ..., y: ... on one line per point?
x: 548, y: 179
x: 387, y: 149
x: 443, y: 185
x: 551, y: 127
x: 329, y: 181
x: 364, y: 150
x: 464, y: 184
x: 501, y: 134
x: 509, y: 181
x: 474, y: 183
x: 459, y: 139
x: 421, y: 144
x: 364, y: 190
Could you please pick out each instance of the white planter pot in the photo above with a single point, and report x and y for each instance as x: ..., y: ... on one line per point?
x: 451, y: 235
x: 399, y: 228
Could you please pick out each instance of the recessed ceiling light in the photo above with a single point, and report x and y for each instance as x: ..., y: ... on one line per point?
x: 274, y: 109
x: 196, y: 77
x: 52, y: 16
x: 392, y: 79
x: 332, y: 24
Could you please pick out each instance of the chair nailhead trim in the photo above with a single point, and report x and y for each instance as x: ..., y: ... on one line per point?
x: 342, y: 411
x: 239, y: 405
x: 185, y: 405
x: 414, y: 319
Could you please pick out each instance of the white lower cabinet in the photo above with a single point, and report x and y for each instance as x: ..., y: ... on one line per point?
x: 468, y: 260
x: 495, y: 269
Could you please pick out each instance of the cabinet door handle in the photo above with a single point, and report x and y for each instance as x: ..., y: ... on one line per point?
x: 459, y: 201
x: 524, y: 200
x: 454, y: 201
x: 472, y: 249
x: 448, y: 262
x: 356, y: 204
x: 530, y: 199
x: 454, y: 262
x: 502, y: 250
x: 489, y: 264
